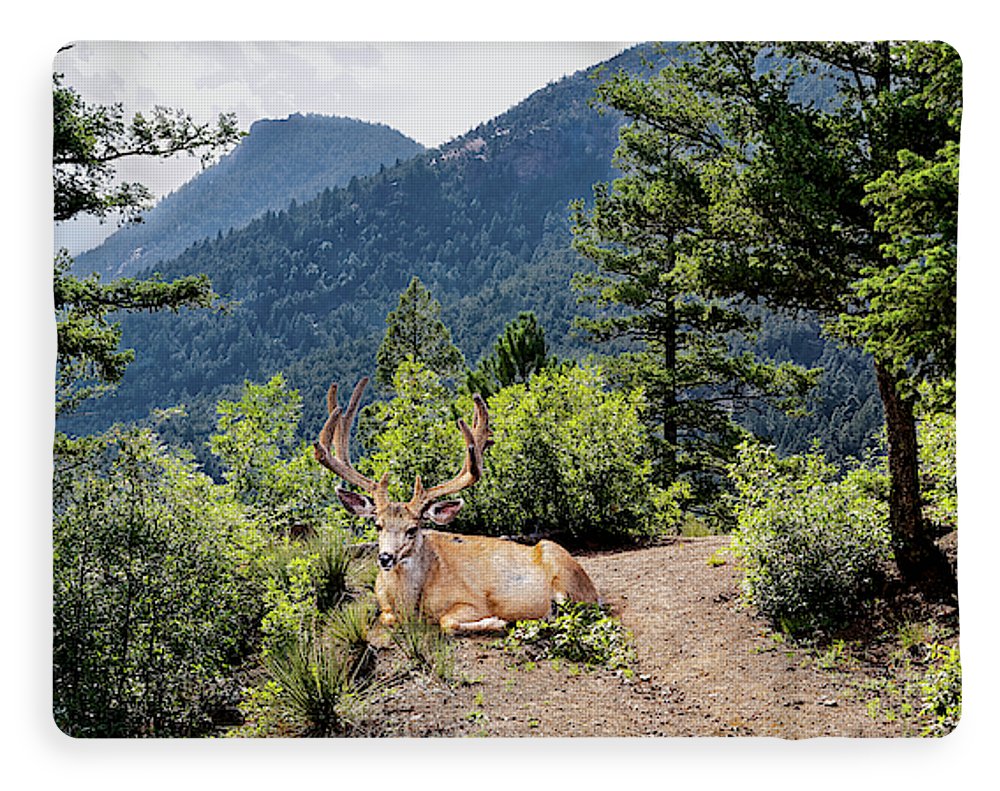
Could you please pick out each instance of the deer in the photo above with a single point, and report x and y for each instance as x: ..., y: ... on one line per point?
x: 464, y: 583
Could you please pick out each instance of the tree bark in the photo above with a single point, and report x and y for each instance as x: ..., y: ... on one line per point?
x: 920, y: 561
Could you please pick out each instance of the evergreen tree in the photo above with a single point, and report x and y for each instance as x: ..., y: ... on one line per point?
x: 644, y: 232
x: 414, y: 331
x: 808, y: 211
x: 518, y: 353
x: 87, y: 141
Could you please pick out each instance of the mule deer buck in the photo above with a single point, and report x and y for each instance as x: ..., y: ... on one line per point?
x: 465, y: 583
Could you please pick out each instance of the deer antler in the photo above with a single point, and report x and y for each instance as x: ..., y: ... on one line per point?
x: 337, y: 431
x: 477, y: 440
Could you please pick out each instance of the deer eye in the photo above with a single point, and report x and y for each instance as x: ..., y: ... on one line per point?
x: 411, y: 531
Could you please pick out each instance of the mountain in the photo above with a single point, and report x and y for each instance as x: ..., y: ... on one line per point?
x: 278, y: 161
x: 483, y: 221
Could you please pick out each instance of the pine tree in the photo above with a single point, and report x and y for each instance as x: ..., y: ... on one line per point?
x: 643, y: 231
x: 809, y: 209
x: 414, y: 331
x: 87, y: 141
x: 518, y: 353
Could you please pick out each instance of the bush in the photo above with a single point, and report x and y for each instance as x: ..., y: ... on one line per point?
x: 154, y: 599
x: 277, y: 479
x: 314, y: 650
x: 938, y: 474
x: 811, y: 544
x: 577, y: 632
x: 941, y: 690
x: 569, y: 457
x: 414, y: 433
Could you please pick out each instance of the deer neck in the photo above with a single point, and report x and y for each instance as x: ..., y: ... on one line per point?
x: 412, y: 571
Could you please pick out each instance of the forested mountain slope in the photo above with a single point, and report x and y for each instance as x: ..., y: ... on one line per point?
x: 482, y: 221
x: 279, y: 161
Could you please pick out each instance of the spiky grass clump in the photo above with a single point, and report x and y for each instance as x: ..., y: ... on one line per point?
x: 425, y: 645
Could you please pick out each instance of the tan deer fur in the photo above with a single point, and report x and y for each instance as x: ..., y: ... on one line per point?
x: 463, y: 582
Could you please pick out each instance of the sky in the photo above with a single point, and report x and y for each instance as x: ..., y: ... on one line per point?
x: 429, y: 91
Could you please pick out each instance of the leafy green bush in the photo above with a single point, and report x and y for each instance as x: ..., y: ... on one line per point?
x: 941, y: 690
x: 577, y: 632
x: 277, y: 479
x: 938, y: 474
x: 569, y: 457
x: 414, y: 433
x: 314, y: 646
x: 154, y: 595
x: 811, y: 543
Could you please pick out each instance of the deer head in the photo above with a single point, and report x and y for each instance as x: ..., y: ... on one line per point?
x: 399, y: 524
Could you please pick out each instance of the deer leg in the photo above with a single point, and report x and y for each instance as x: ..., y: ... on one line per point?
x: 463, y: 618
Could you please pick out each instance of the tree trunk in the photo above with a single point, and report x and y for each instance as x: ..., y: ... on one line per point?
x: 920, y: 561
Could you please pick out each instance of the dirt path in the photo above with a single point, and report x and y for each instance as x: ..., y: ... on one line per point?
x: 705, y: 667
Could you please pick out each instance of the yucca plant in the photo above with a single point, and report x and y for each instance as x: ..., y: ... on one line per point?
x: 318, y: 680
x: 347, y: 628
x: 424, y: 644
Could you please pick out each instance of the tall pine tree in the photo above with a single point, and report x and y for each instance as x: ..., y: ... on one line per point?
x: 812, y: 206
x: 414, y: 331
x: 644, y: 231
x: 518, y: 353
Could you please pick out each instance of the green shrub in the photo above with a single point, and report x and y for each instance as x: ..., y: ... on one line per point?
x: 938, y: 473
x: 569, y: 457
x: 277, y: 479
x: 314, y: 683
x: 414, y: 433
x: 577, y: 632
x: 154, y: 597
x: 811, y: 544
x: 941, y: 690
x: 424, y: 644
x: 314, y: 647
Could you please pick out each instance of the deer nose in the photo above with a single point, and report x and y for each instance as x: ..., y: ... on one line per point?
x: 385, y: 560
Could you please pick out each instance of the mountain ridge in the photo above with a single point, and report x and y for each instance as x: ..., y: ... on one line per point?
x: 280, y: 160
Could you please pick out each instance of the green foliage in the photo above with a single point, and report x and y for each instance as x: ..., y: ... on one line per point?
x: 154, y: 598
x: 314, y: 684
x: 414, y: 433
x: 938, y: 470
x: 842, y: 204
x: 425, y: 646
x: 577, y: 632
x: 88, y: 139
x: 264, y: 465
x: 910, y: 293
x: 314, y: 648
x: 569, y: 457
x: 87, y: 142
x: 89, y: 360
x: 647, y: 232
x: 941, y: 690
x: 517, y: 354
x: 811, y: 543
x: 414, y: 331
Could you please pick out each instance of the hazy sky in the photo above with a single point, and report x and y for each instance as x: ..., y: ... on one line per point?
x: 428, y: 91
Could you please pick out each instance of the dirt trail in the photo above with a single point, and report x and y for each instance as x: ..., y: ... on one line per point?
x: 705, y: 667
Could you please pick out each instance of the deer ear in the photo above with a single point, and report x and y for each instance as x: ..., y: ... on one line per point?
x: 442, y: 513
x: 357, y: 504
